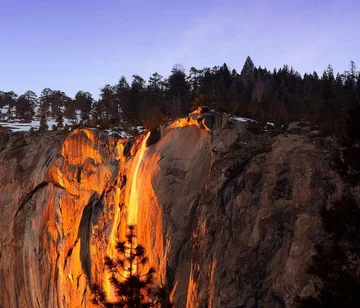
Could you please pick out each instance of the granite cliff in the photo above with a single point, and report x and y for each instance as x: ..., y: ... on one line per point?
x: 228, y: 218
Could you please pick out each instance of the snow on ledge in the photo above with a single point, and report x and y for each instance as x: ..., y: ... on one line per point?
x: 242, y: 119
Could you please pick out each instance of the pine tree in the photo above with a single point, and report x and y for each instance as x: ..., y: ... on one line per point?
x: 70, y: 109
x: 25, y: 106
x: 44, y: 100
x: 83, y: 101
x: 107, y: 104
x: 247, y: 72
x: 43, y: 123
x: 122, y: 89
x: 60, y: 120
x: 357, y: 87
x: 133, y: 285
x: 179, y: 90
x: 10, y: 101
x: 194, y: 79
x: 153, y: 104
x: 136, y: 96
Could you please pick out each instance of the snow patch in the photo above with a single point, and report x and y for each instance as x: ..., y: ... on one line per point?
x: 242, y: 119
x: 120, y: 134
x: 17, y: 126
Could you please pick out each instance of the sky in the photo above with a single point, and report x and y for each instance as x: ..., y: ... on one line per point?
x: 73, y: 45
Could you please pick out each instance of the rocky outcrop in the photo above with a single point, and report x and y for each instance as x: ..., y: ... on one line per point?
x: 227, y: 218
x: 52, y: 203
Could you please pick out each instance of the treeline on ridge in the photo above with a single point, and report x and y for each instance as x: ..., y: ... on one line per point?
x: 280, y: 96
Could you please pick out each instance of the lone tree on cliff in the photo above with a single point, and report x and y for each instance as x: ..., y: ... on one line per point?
x: 133, y: 284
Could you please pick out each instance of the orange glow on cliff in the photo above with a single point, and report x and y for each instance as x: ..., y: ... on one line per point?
x: 212, y: 283
x: 133, y: 205
x: 113, y: 238
x: 183, y: 122
x: 191, y: 299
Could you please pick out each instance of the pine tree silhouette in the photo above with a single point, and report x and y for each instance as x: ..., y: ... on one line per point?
x: 133, y: 285
x: 43, y: 123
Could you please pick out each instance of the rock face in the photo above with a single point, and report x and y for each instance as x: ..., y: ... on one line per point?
x: 227, y: 218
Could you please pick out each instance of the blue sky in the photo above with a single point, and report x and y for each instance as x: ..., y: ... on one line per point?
x: 83, y: 44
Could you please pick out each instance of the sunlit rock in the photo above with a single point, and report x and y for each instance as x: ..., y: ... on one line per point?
x: 227, y: 218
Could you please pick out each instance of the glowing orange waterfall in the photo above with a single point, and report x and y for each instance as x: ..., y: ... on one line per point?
x: 111, y: 250
x: 134, y: 198
x: 132, y: 213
